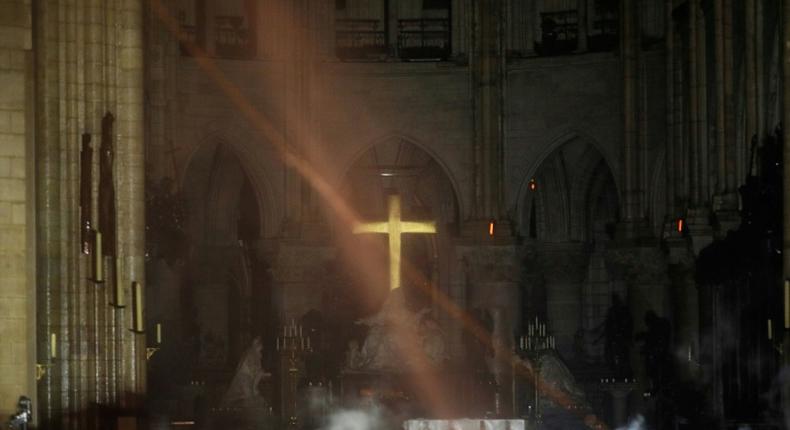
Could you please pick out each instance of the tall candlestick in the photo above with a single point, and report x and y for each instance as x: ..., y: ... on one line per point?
x: 137, y: 291
x: 53, y: 345
x: 120, y: 300
x: 158, y: 333
x: 98, y: 270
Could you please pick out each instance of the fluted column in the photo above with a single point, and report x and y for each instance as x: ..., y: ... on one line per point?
x: 131, y: 182
x: 786, y: 158
x: 89, y: 57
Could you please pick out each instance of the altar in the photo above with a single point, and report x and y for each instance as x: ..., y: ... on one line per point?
x: 464, y: 424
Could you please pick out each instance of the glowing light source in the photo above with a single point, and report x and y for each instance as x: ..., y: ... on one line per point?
x: 533, y: 185
x: 680, y: 225
x: 491, y: 225
x: 394, y: 227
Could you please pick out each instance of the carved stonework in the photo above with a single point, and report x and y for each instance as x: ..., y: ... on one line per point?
x: 398, y: 341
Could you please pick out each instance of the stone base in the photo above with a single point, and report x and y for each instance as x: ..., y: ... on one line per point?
x: 465, y: 424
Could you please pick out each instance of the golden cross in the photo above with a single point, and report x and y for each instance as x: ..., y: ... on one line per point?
x: 394, y: 227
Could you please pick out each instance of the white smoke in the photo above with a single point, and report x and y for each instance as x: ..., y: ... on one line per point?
x: 638, y: 423
x: 355, y: 419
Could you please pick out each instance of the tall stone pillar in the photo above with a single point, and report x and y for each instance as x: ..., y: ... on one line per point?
x: 491, y: 271
x: 633, y: 212
x: 17, y: 207
x: 564, y: 267
x: 89, y: 61
x: 488, y: 76
x: 644, y: 268
x: 786, y: 161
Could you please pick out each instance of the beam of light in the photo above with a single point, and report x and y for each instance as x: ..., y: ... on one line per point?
x: 262, y: 125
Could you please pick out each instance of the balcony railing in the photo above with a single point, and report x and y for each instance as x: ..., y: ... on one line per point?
x: 232, y: 38
x: 559, y: 31
x: 424, y: 39
x: 360, y: 39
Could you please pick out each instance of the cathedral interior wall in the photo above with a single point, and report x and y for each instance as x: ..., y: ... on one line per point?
x: 16, y: 205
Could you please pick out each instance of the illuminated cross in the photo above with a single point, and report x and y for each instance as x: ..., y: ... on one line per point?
x: 394, y: 227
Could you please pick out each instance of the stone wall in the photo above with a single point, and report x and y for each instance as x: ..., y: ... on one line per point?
x: 16, y: 206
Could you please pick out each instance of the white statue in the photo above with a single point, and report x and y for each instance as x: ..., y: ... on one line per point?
x: 398, y: 339
x: 243, y: 390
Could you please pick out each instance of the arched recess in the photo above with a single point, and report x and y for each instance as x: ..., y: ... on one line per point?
x: 226, y: 296
x: 398, y: 165
x: 559, y: 198
x: 567, y: 212
x: 259, y: 160
x: 384, y: 140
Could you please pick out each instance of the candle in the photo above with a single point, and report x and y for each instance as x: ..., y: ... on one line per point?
x: 690, y: 352
x: 53, y: 345
x: 158, y: 333
x: 98, y: 270
x: 137, y: 291
x: 308, y: 343
x: 302, y: 339
x: 278, y: 343
x: 770, y: 329
x: 119, y: 296
x: 787, y: 304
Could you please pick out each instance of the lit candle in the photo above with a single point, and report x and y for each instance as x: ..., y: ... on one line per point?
x: 98, y: 270
x: 770, y: 330
x: 787, y: 304
x: 137, y: 290
x: 158, y: 333
x: 53, y: 345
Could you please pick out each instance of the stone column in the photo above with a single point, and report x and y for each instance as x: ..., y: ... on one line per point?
x: 89, y: 58
x: 17, y: 207
x: 492, y: 285
x: 631, y: 167
x: 691, y: 122
x: 670, y: 113
x: 488, y: 82
x: 644, y: 268
x: 786, y: 157
x: 581, y: 6
x: 564, y: 267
